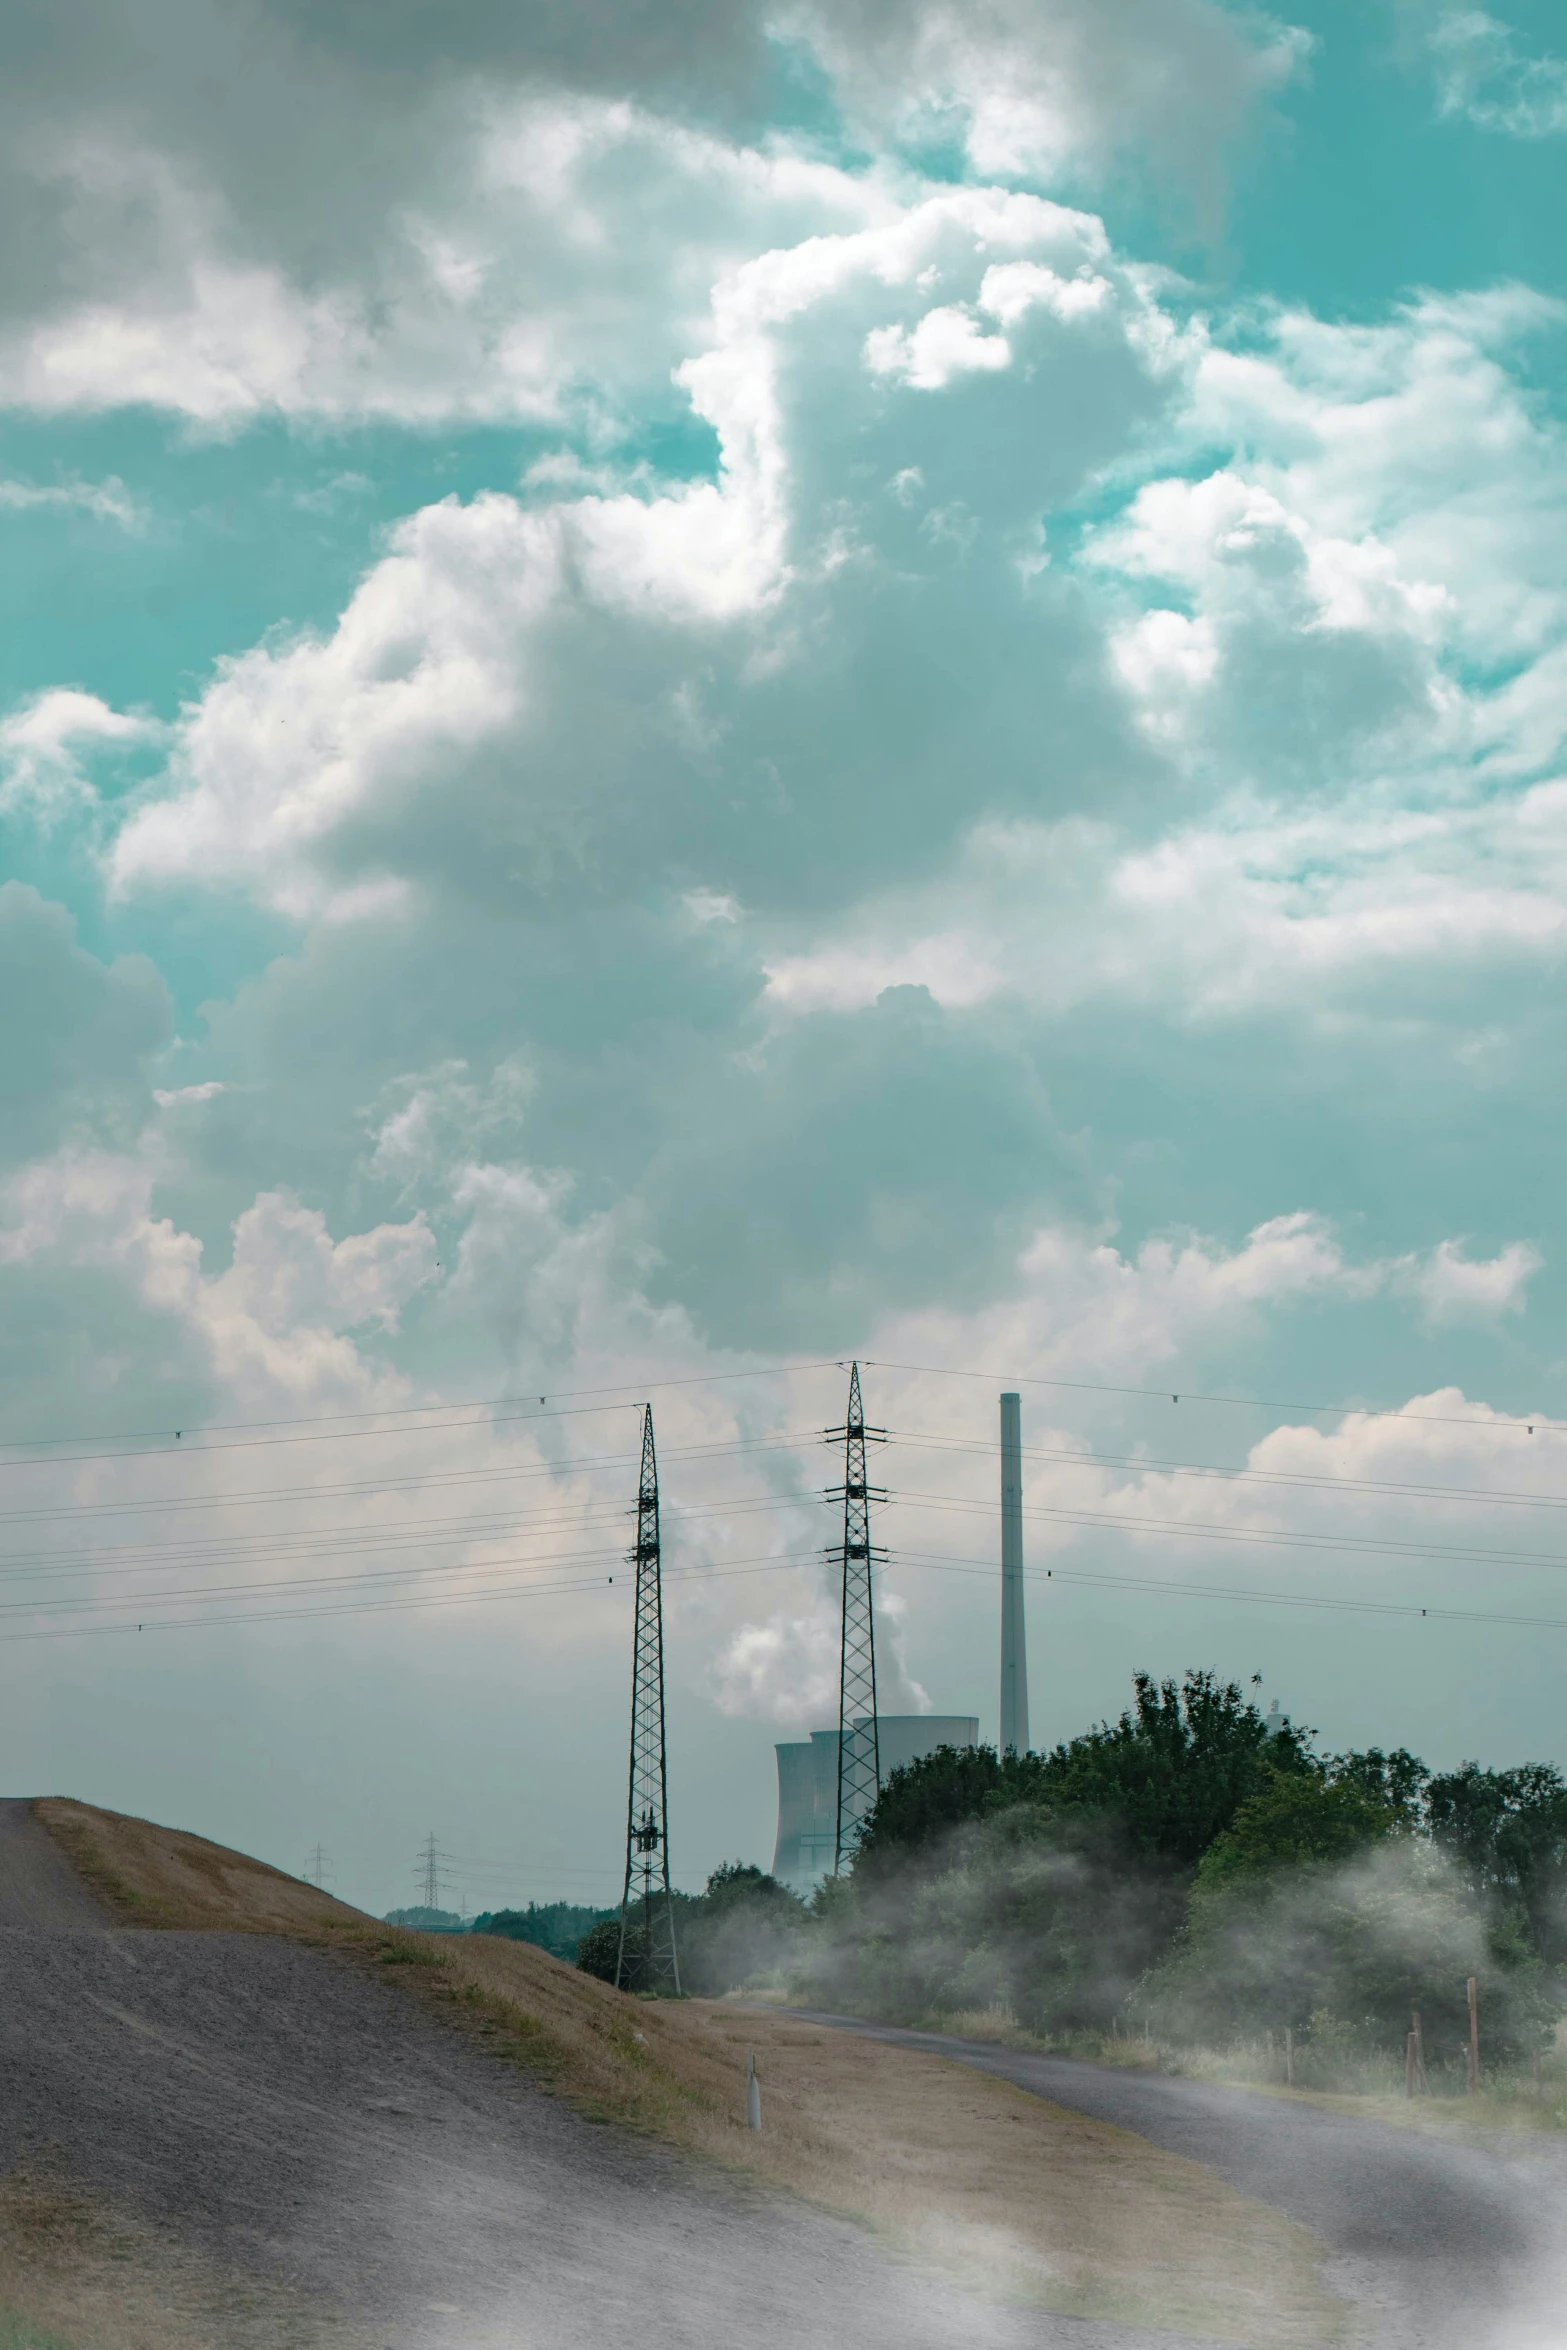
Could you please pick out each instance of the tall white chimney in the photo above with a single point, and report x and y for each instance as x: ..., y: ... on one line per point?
x: 1014, y: 1640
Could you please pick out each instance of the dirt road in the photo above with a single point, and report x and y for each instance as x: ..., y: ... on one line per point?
x: 308, y: 2123
x: 1447, y: 2247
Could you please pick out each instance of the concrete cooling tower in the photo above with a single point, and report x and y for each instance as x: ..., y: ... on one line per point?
x: 808, y: 1786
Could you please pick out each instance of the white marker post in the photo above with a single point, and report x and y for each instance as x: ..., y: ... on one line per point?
x: 753, y: 2092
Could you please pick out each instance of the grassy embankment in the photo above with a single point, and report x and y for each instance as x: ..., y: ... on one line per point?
x: 947, y: 2166
x: 77, y: 2275
x: 1371, y: 2089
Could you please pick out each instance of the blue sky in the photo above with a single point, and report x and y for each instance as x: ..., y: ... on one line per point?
x: 699, y: 696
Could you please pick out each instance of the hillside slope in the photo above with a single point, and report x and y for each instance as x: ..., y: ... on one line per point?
x: 283, y: 2098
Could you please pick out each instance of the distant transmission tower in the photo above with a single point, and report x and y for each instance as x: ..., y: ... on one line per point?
x: 859, y: 1752
x: 647, y: 1805
x: 430, y: 1873
x: 316, y: 1868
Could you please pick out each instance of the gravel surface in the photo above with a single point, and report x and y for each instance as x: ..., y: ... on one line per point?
x: 38, y: 1886
x: 1449, y: 2246
x: 307, y: 2121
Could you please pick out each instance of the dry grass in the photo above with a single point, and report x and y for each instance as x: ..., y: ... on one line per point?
x: 152, y: 1876
x: 1505, y: 2103
x: 949, y: 2166
x: 77, y: 2275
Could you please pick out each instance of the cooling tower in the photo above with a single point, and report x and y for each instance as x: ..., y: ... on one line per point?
x: 808, y: 1786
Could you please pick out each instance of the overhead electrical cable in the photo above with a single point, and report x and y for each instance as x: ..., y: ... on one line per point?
x: 1116, y: 1521
x: 1373, y: 1607
x: 439, y: 1534
x: 1537, y: 1425
x: 481, y: 1409
x: 1073, y: 1457
x: 596, y: 1583
x: 406, y: 1480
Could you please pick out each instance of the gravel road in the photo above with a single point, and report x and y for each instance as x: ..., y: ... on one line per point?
x: 1446, y: 2247
x: 311, y: 2124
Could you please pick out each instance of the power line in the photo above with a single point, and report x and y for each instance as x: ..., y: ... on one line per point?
x: 406, y: 1481
x: 334, y: 1542
x: 1073, y: 1457
x: 1374, y: 1607
x: 632, y: 1389
x: 415, y: 1531
x: 1539, y: 1425
x: 1211, y: 1530
x: 412, y: 1419
x: 179, y: 1449
x: 772, y: 1564
x: 91, y: 1605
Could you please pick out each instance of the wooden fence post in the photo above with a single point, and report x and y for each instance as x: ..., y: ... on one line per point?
x: 1474, y: 2039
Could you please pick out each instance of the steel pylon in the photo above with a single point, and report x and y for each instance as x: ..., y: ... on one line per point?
x: 859, y: 1757
x: 647, y: 1804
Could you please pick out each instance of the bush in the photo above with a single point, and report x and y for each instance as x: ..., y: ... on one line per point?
x: 1363, y: 1941
x: 1053, y: 1915
x: 746, y: 1925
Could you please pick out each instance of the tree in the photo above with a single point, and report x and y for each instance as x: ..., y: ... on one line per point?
x: 1506, y: 1832
x: 555, y: 1926
x: 1173, y: 1771
x: 1297, y: 1817
x: 1177, y: 1766
x: 746, y: 1924
x: 1397, y: 1781
x: 598, y: 1953
x: 921, y: 1803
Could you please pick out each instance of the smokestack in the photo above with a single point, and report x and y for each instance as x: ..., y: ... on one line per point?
x: 1014, y: 1642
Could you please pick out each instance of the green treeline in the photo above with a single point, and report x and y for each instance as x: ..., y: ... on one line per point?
x: 556, y: 1926
x: 744, y: 1925
x: 1201, y: 1872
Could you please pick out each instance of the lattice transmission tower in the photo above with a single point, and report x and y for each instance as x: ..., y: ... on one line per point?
x: 859, y: 1755
x: 647, y: 1805
x: 430, y: 1871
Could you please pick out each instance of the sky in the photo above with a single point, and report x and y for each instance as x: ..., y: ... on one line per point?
x: 687, y: 694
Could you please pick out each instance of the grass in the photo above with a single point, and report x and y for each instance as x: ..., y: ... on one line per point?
x: 20, y: 2333
x: 1372, y: 2088
x: 946, y: 2166
x: 76, y: 2274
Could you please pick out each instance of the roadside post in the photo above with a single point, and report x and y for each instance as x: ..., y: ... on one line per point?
x: 753, y: 2092
x: 1474, y: 2039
